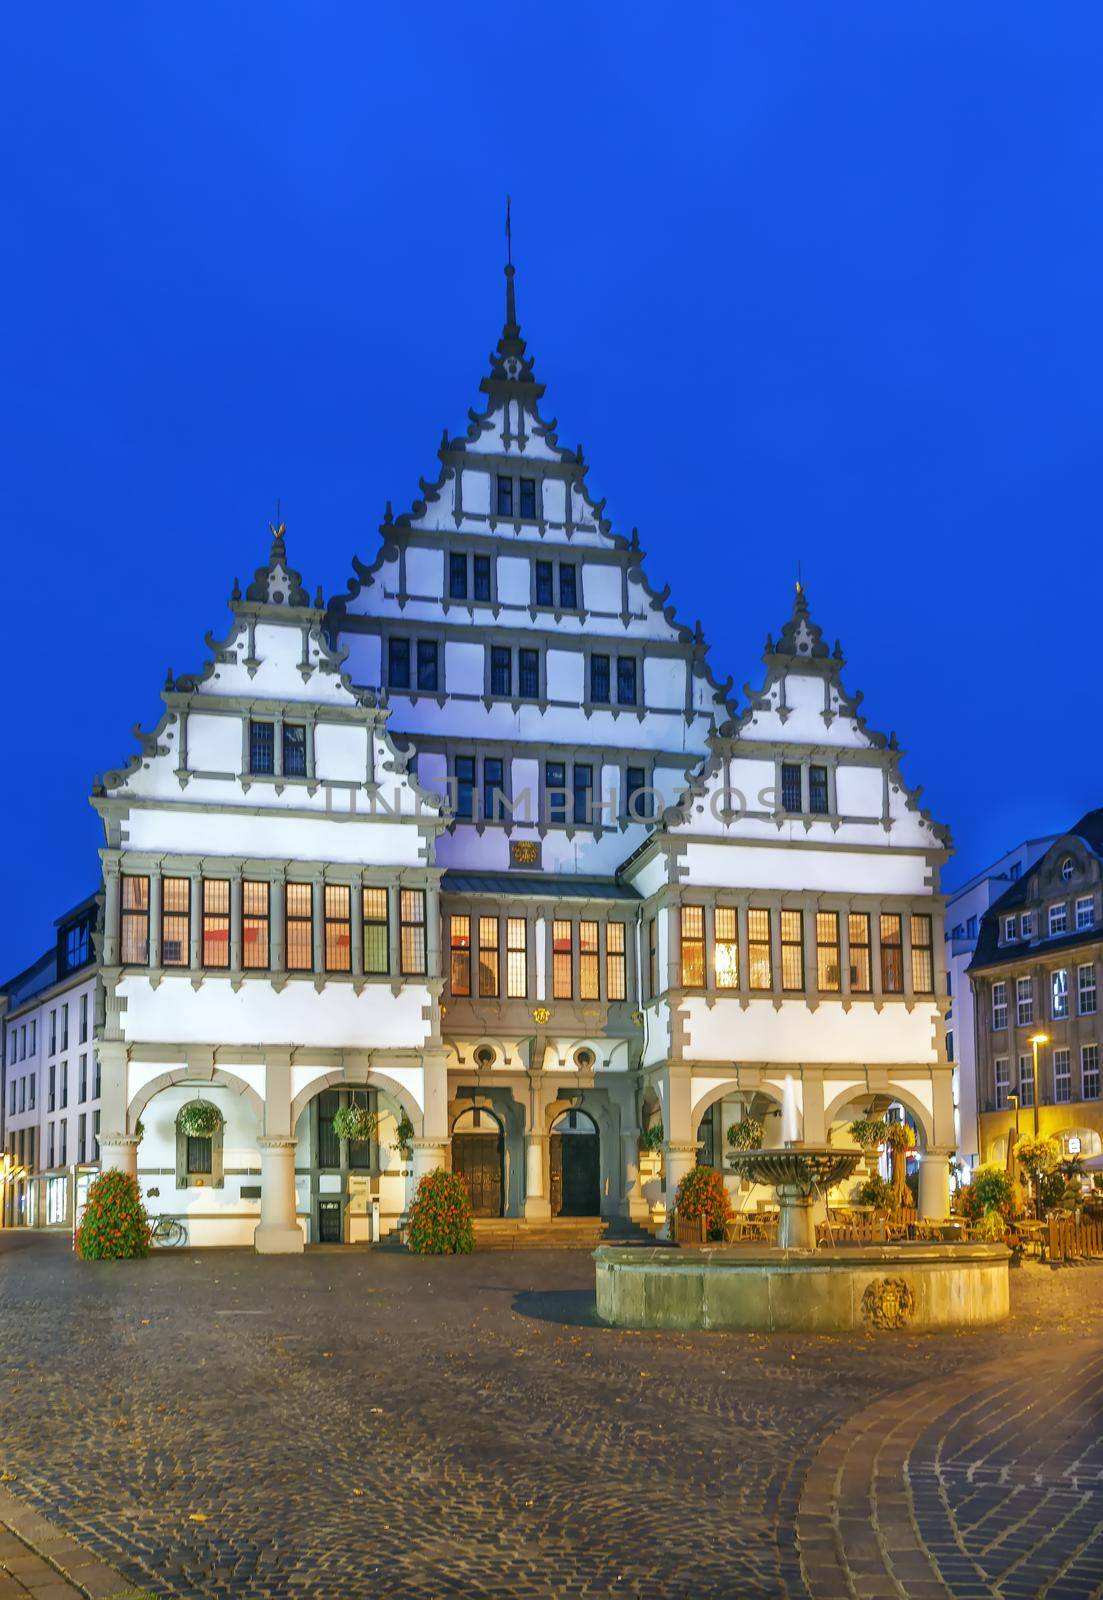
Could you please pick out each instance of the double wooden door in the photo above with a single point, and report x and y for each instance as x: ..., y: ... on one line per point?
x: 478, y: 1158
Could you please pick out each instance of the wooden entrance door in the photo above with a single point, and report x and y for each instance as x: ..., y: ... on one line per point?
x: 330, y: 1228
x: 576, y: 1173
x: 478, y: 1160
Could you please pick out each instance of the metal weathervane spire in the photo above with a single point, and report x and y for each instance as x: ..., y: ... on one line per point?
x: 509, y: 234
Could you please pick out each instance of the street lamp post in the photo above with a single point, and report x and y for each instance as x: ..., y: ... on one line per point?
x: 1035, y: 1040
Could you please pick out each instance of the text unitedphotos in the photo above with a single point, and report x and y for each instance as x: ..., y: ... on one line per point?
x: 559, y: 805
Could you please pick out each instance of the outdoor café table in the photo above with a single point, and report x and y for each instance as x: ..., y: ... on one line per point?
x: 1035, y: 1235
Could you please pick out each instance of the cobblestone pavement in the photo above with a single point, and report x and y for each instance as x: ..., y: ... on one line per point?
x: 348, y: 1424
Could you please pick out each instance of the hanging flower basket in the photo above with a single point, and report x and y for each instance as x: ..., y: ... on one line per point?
x: 651, y: 1139
x: 199, y: 1120
x: 868, y: 1132
x: 355, y: 1123
x: 747, y: 1134
x: 404, y: 1137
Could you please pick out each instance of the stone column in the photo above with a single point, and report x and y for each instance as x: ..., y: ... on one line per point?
x: 537, y: 1204
x: 635, y: 1206
x: 119, y: 1153
x: 934, y: 1184
x: 429, y: 1155
x: 680, y: 1159
x: 278, y: 1232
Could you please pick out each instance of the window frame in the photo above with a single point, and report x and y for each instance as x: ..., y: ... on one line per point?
x: 1024, y: 1001
x: 827, y: 949
x: 130, y: 917
x: 262, y: 732
x: 999, y: 1006
x: 375, y: 921
x: 756, y: 943
x: 725, y: 937
x: 691, y: 945
x: 459, y: 954
x: 892, y: 952
x: 256, y: 922
x: 174, y: 914
x: 418, y: 931
x: 490, y: 956
x: 336, y: 927
x: 214, y: 922
x: 789, y: 944
x: 923, y: 922
x: 297, y: 920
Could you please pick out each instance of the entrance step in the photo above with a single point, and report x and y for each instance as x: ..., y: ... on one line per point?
x: 560, y: 1233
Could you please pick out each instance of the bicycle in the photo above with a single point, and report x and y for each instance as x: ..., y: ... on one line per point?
x: 168, y: 1233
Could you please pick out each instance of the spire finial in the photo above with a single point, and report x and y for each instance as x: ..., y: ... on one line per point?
x: 511, y: 302
x: 277, y: 528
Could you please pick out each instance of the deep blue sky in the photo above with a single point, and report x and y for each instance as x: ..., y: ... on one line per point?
x: 809, y: 281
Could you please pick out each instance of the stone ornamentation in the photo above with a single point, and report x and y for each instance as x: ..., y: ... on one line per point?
x: 889, y: 1303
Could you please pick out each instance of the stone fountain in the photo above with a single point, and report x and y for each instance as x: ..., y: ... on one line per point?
x: 797, y: 1172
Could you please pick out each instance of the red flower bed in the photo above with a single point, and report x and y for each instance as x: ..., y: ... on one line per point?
x: 114, y: 1225
x: 440, y: 1217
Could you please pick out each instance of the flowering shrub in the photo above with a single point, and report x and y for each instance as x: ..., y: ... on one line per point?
x: 747, y: 1134
x: 440, y: 1217
x: 703, y: 1193
x: 114, y: 1225
x: 199, y: 1120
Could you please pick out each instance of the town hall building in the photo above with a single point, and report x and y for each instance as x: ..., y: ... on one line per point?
x: 484, y: 847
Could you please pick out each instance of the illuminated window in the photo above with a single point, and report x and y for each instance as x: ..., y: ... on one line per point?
x: 460, y: 945
x: 134, y: 925
x: 377, y: 932
x: 337, y: 912
x: 216, y: 922
x: 589, y: 978
x: 616, y: 976
x: 411, y: 930
x: 255, y: 953
x: 489, y: 976
x: 516, y: 958
x: 1059, y: 987
x: 759, y: 957
x: 562, y: 959
x: 828, y: 965
x: 792, y: 950
x: 892, y: 954
x: 726, y: 947
x: 693, y: 947
x: 175, y: 922
x: 922, y: 954
x: 300, y: 927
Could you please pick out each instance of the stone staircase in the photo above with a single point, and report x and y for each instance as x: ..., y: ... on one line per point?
x: 559, y: 1233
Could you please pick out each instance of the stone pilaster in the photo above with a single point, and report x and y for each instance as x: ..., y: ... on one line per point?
x: 278, y: 1232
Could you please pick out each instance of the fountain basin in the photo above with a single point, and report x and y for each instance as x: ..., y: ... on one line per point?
x: 852, y: 1289
x: 795, y: 1172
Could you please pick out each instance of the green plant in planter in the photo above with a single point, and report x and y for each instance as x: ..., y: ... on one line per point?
x: 747, y: 1134
x: 404, y: 1137
x: 114, y: 1226
x: 990, y: 1228
x: 355, y: 1123
x: 990, y: 1190
x: 868, y: 1133
x: 878, y: 1193
x: 703, y: 1193
x: 440, y: 1222
x: 651, y: 1139
x: 199, y: 1120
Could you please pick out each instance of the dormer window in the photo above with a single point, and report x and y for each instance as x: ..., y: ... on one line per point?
x: 1010, y: 927
x: 528, y: 498
x: 1058, y: 920
x: 1085, y: 913
x: 262, y: 747
x: 1066, y: 869
x: 505, y: 496
x: 1026, y: 926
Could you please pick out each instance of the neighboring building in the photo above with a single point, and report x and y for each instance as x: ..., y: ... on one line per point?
x: 467, y: 847
x: 964, y: 910
x: 51, y: 1082
x: 1036, y: 976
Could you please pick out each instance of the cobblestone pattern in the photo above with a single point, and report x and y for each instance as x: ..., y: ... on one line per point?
x: 37, y: 1559
x: 355, y: 1424
x: 983, y: 1486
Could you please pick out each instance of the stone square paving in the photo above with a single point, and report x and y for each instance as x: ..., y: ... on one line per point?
x: 359, y: 1423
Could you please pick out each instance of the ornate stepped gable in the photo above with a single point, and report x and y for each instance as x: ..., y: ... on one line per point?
x: 276, y: 655
x: 803, y: 714
x: 460, y: 512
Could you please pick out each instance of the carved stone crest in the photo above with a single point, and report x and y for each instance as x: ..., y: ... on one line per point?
x: 888, y: 1303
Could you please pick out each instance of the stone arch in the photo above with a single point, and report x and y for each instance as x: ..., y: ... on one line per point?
x: 721, y: 1091
x: 340, y: 1079
x: 219, y: 1077
x: 891, y: 1091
